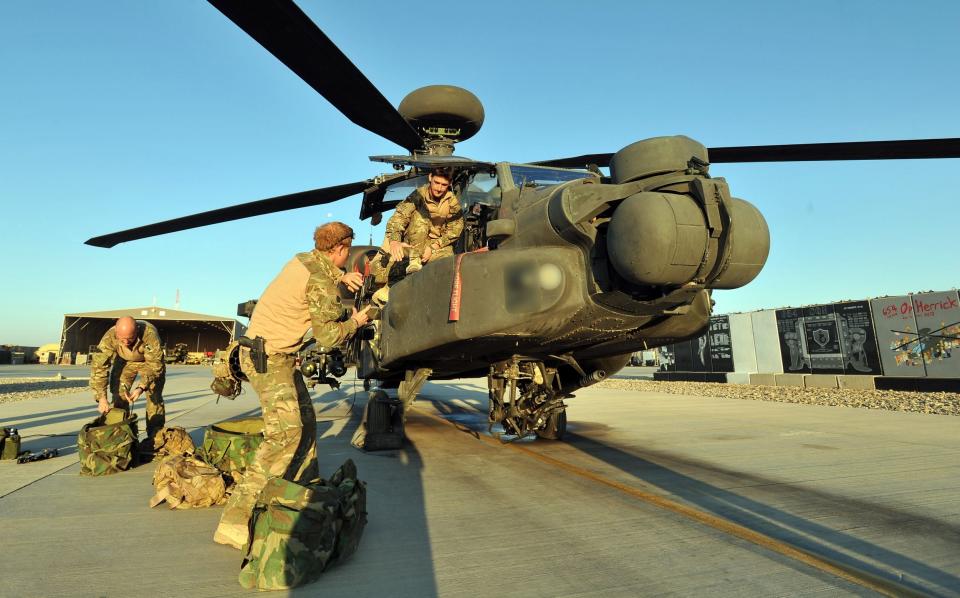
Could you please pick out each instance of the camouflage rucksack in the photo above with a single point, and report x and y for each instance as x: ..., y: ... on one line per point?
x: 173, y: 441
x: 108, y: 444
x: 231, y: 445
x: 186, y: 482
x: 297, y: 532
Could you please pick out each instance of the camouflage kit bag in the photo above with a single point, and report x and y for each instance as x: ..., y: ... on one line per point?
x: 173, y: 441
x: 231, y: 445
x: 297, y: 532
x: 108, y: 444
x: 186, y: 482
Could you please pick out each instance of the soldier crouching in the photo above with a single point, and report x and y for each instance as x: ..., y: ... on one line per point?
x: 427, y: 223
x: 302, y: 296
x: 132, y: 347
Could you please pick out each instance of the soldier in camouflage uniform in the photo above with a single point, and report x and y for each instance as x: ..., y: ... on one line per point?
x: 136, y: 344
x: 427, y: 223
x: 302, y: 296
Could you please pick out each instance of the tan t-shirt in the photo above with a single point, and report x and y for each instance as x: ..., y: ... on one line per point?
x: 302, y: 296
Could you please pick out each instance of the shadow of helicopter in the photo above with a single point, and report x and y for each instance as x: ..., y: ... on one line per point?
x: 662, y: 470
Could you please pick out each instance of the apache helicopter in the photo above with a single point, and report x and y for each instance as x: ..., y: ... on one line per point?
x: 562, y: 272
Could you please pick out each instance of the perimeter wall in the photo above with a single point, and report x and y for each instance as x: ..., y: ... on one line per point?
x: 913, y: 336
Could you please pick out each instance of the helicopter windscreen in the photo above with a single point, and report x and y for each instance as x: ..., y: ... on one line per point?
x: 539, y: 176
x: 398, y: 192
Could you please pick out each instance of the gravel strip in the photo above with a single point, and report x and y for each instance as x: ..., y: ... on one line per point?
x: 19, y: 389
x: 936, y: 403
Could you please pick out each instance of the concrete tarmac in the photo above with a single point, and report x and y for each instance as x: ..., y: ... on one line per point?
x: 456, y: 513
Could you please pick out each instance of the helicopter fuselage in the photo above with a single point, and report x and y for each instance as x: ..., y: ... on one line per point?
x: 572, y: 269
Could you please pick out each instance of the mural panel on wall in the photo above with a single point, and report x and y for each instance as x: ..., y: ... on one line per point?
x: 822, y: 339
x: 938, y: 333
x: 793, y: 339
x: 859, y: 344
x: 721, y: 344
x: 896, y: 329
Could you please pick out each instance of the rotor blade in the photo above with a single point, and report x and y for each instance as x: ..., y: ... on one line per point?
x: 577, y: 161
x: 289, y: 34
x: 237, y: 212
x: 907, y: 149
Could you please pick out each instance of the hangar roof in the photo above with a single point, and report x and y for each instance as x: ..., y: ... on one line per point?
x: 150, y: 313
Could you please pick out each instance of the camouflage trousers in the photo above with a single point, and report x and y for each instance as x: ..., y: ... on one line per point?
x: 289, y: 447
x: 124, y: 375
x: 382, y: 267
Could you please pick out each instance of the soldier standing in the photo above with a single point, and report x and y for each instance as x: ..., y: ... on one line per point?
x: 302, y: 296
x: 428, y: 222
x: 137, y: 344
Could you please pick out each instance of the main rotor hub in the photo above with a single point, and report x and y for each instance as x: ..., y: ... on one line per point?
x: 442, y: 115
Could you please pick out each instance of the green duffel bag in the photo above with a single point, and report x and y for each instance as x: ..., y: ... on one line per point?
x: 231, y: 445
x: 298, y: 531
x: 108, y: 444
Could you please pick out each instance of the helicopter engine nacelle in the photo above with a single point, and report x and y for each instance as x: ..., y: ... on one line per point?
x: 665, y: 239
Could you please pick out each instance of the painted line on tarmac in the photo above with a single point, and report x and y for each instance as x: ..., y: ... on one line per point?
x: 862, y: 578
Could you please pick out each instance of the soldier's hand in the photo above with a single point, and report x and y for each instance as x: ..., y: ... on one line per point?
x: 352, y: 280
x: 425, y: 256
x: 133, y: 396
x: 102, y: 405
x: 396, y: 250
x: 361, y: 317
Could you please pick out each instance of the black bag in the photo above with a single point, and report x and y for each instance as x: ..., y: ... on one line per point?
x: 384, y: 420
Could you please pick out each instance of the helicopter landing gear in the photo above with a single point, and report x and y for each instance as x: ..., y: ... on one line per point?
x: 525, y: 399
x: 409, y: 388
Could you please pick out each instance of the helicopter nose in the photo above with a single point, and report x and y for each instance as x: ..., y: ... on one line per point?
x: 662, y: 239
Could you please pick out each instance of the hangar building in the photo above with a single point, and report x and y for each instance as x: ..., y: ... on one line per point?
x: 200, y: 332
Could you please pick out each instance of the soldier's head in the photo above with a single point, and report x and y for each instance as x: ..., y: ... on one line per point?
x: 126, y: 331
x: 440, y: 179
x: 334, y: 239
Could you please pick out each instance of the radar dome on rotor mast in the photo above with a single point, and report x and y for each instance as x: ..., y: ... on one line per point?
x: 443, y: 115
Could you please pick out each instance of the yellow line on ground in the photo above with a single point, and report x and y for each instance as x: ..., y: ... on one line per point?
x: 853, y: 575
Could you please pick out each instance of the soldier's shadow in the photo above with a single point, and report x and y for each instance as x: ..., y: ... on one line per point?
x: 394, y: 557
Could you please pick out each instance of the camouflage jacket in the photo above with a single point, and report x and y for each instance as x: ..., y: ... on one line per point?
x: 147, y: 344
x: 418, y: 220
x: 323, y: 300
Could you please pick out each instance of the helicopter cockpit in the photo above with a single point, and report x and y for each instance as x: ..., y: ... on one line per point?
x: 480, y: 186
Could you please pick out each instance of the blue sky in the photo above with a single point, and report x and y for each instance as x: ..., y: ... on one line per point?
x: 116, y: 114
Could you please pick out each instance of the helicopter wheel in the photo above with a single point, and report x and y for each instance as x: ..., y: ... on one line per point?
x: 556, y: 426
x: 366, y: 384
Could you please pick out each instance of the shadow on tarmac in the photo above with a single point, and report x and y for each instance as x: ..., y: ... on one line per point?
x: 396, y: 542
x: 797, y: 531
x: 26, y: 422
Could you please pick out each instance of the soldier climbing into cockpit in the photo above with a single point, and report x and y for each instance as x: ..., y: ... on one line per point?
x: 427, y: 223
x: 425, y: 226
